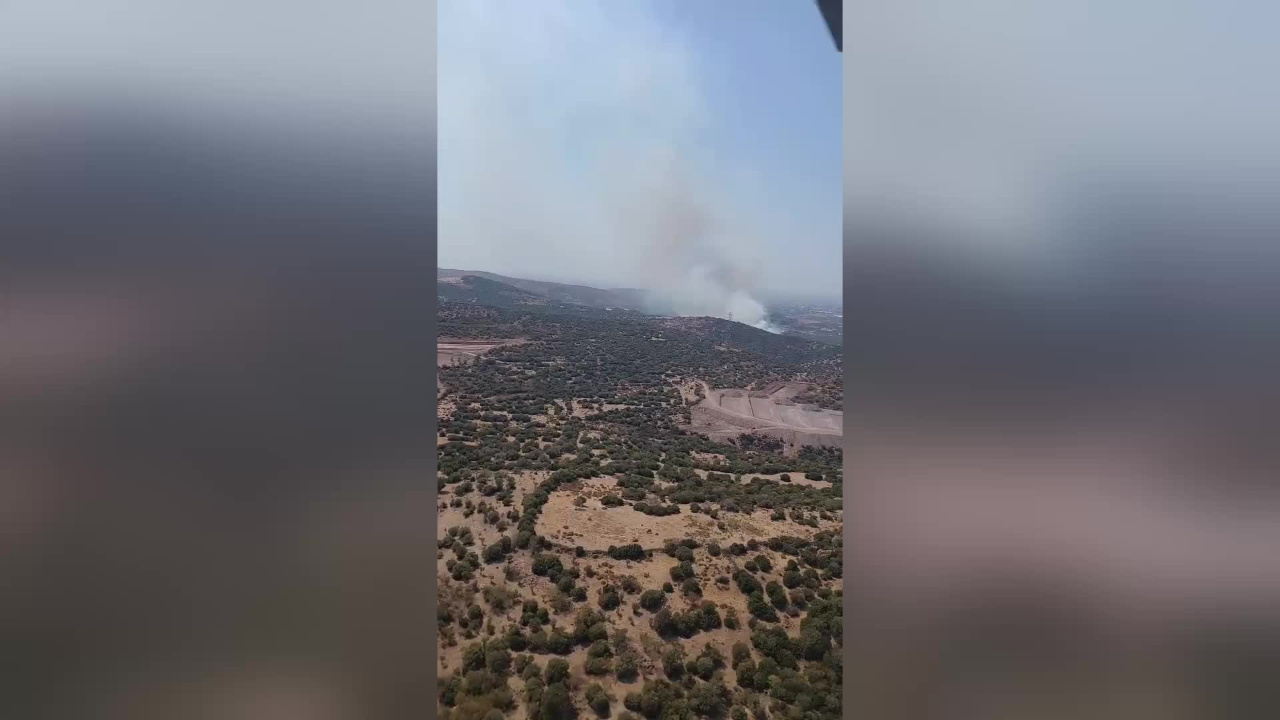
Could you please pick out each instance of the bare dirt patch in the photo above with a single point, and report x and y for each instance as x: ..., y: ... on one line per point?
x: 727, y: 413
x: 595, y: 527
x: 444, y: 408
x: 526, y: 482
x: 710, y: 458
x: 454, y: 352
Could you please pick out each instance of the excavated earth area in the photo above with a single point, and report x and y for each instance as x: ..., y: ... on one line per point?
x: 727, y: 413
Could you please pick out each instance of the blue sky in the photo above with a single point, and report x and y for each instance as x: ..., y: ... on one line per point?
x: 774, y: 76
x: 624, y: 144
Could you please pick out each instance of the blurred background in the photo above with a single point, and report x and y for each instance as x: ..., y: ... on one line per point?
x: 217, y: 225
x: 1061, y: 285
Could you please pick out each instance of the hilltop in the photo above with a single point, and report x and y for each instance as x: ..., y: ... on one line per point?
x: 625, y: 299
x: 819, y: 322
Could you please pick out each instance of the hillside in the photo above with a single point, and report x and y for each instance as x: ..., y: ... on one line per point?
x: 629, y: 299
x: 484, y: 291
x: 639, y: 515
x: 787, y: 348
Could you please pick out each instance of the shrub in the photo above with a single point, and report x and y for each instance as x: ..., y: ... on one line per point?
x: 516, y: 639
x: 661, y: 698
x: 498, y: 662
x: 691, y: 587
x: 611, y: 501
x: 597, y: 699
x: 667, y: 588
x: 710, y: 652
x: 480, y: 682
x: 673, y: 662
x: 764, y: 563
x: 651, y: 600
x: 557, y: 670
x: 556, y: 704
x: 632, y: 551
x: 630, y: 585
x: 709, y: 699
x: 709, y: 616
x: 761, y: 609
x: 664, y: 623
x: 609, y: 599
x: 546, y: 564
x: 450, y: 690
x: 747, y: 583
x: 559, y: 643
x: 627, y: 666
x: 776, y: 646
x: 463, y: 571
x: 560, y: 603
x: 493, y: 553
x: 599, y: 666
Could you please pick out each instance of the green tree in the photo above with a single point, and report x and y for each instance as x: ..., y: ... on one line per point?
x: 557, y: 670
x: 556, y: 704
x: 597, y: 699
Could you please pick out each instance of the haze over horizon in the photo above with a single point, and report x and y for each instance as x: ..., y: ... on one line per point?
x: 785, y: 295
x: 654, y: 145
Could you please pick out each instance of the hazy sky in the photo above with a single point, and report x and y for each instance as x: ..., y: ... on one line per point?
x: 622, y: 143
x: 298, y: 64
x: 992, y: 120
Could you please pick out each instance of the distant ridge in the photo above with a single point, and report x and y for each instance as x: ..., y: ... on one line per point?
x: 626, y: 298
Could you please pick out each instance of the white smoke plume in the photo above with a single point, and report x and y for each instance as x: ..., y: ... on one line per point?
x: 572, y: 147
x: 694, y: 254
x: 701, y: 293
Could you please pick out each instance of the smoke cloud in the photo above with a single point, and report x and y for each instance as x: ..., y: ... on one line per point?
x: 573, y: 147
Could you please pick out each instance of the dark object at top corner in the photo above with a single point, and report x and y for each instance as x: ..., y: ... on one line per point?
x: 832, y: 11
